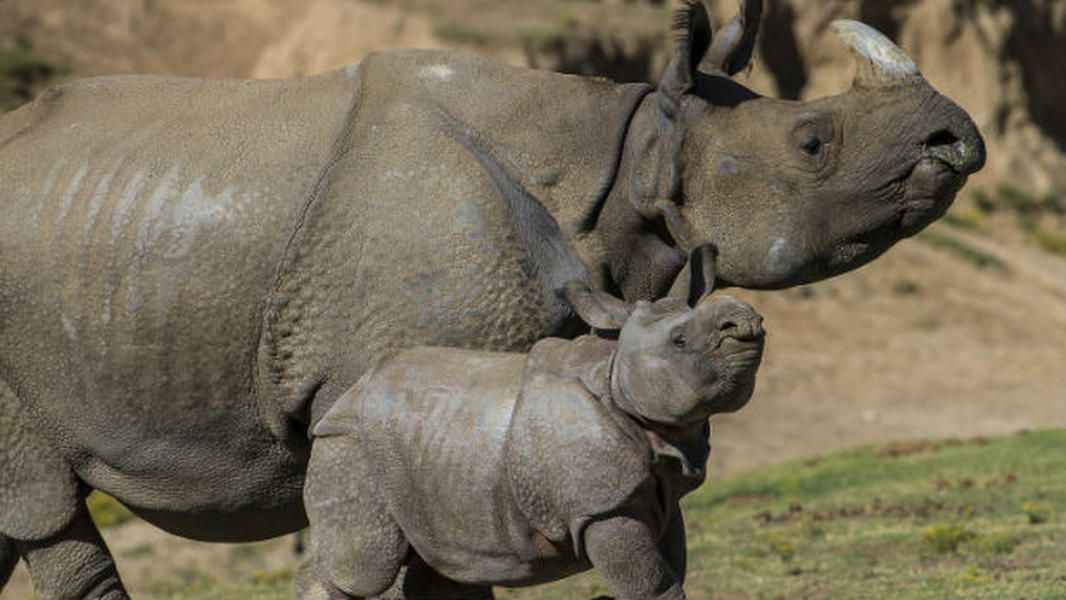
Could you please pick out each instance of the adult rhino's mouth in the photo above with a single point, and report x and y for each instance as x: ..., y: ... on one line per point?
x: 930, y: 189
x: 927, y: 190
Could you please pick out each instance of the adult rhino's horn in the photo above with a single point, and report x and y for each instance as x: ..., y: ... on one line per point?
x: 879, y: 62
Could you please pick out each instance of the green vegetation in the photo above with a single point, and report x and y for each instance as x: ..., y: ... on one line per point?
x: 1043, y: 218
x: 447, y: 29
x: 1050, y: 241
x: 906, y: 287
x: 948, y: 519
x: 1024, y: 204
x: 961, y: 249
x: 979, y: 518
x: 539, y: 35
x: 964, y: 219
x: 946, y: 538
x: 22, y: 73
x: 106, y: 511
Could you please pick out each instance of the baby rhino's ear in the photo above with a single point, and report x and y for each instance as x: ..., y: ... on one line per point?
x: 597, y: 308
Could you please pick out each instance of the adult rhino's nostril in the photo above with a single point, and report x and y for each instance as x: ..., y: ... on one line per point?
x: 942, y: 138
x: 947, y: 147
x: 959, y: 147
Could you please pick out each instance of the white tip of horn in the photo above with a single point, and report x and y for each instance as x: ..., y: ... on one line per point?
x: 888, y: 64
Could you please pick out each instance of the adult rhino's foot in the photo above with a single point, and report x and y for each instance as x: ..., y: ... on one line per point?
x: 74, y: 563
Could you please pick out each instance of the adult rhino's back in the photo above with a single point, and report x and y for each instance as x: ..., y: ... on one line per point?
x: 144, y: 222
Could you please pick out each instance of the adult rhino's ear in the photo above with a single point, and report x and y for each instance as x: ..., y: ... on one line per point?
x: 693, y: 27
x: 701, y: 271
x: 735, y: 42
x: 597, y: 308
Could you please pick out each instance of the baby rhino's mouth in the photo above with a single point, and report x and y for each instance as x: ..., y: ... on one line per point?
x: 741, y: 355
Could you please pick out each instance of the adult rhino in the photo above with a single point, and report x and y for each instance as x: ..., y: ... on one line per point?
x: 191, y: 272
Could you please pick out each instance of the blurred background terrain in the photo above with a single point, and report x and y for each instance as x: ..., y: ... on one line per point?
x: 958, y: 332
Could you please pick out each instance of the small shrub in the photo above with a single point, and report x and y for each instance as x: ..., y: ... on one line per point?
x: 964, y: 219
x: 905, y: 287
x: 22, y: 73
x: 450, y: 30
x: 961, y: 249
x: 780, y: 544
x: 274, y: 576
x: 984, y: 202
x: 1027, y: 204
x: 946, y: 538
x: 535, y: 36
x: 106, y: 511
x: 1050, y: 241
x: 999, y: 542
x: 1037, y: 512
x: 138, y: 551
x: 1027, y: 207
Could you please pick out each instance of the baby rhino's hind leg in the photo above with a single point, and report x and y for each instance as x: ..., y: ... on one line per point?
x: 356, y: 549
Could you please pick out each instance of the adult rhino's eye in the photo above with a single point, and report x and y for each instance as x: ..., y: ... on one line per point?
x: 812, y: 146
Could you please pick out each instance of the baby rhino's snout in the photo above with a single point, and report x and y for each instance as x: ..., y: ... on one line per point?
x: 734, y: 319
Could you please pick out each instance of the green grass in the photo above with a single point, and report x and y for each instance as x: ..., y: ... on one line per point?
x: 955, y: 519
x: 974, y: 519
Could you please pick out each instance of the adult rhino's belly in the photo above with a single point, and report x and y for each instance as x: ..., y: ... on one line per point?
x: 132, y: 302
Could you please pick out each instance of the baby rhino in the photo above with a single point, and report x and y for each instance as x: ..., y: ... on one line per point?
x: 478, y: 469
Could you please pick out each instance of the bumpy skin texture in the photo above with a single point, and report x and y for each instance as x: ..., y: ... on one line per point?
x: 192, y: 272
x: 513, y: 470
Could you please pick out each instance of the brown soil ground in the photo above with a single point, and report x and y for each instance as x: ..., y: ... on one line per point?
x: 920, y: 344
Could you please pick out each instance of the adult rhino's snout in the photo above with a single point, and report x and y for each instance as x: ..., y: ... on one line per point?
x: 959, y: 145
x: 881, y: 65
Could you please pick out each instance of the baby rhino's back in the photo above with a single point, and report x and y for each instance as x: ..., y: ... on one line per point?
x: 433, y: 423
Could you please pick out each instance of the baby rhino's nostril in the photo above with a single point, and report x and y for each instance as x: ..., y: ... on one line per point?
x: 728, y: 326
x: 741, y: 327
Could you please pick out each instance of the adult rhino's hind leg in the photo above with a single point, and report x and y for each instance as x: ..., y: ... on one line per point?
x: 43, y: 518
x: 74, y: 563
x: 8, y: 559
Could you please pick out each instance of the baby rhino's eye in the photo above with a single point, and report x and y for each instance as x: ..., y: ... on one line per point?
x: 677, y: 338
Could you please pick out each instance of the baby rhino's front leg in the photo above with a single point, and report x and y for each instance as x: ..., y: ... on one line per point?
x: 356, y: 549
x: 630, y: 558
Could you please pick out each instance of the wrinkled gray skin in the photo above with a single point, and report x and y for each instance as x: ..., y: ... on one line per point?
x: 483, y: 469
x: 192, y: 272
